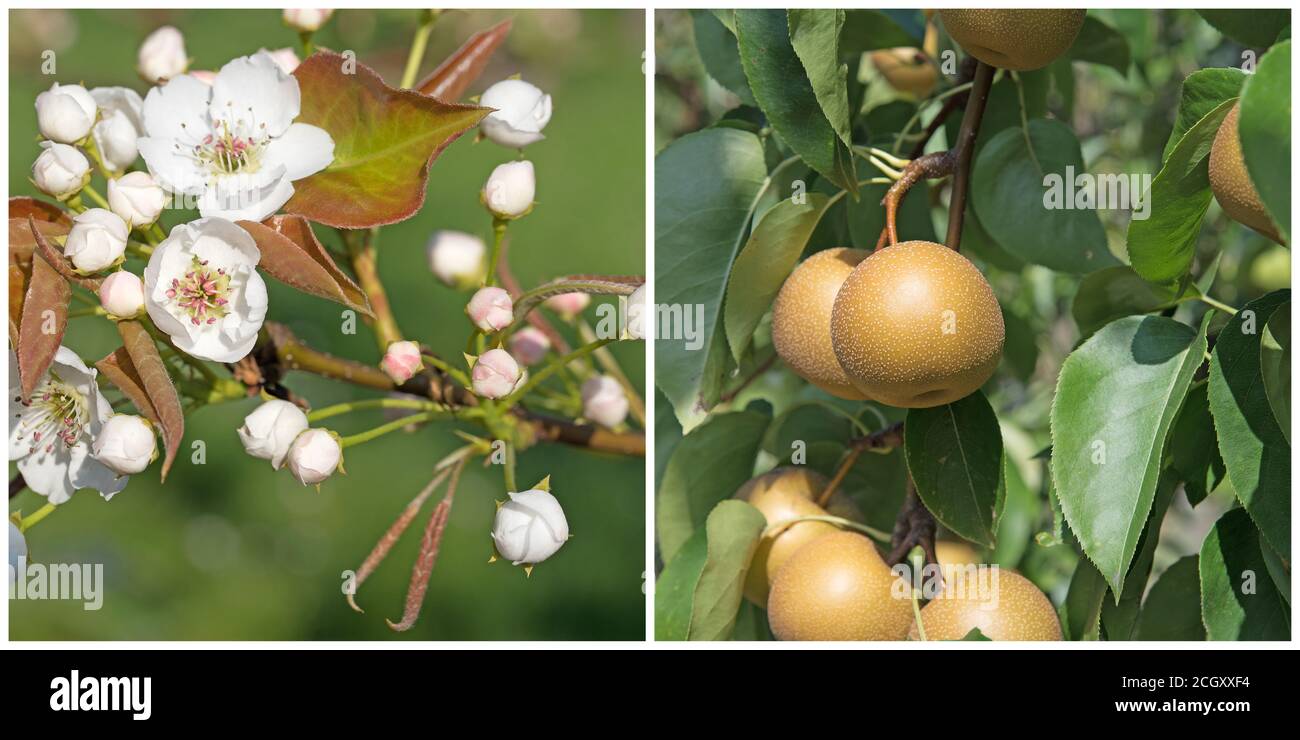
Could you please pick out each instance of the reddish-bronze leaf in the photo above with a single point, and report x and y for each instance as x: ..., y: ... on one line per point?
x: 44, y: 319
x: 17, y: 288
x: 384, y: 141
x: 56, y: 259
x: 121, y: 372
x: 22, y: 239
x: 22, y: 207
x: 430, y: 544
x: 457, y: 72
x: 157, y: 385
x: 292, y: 254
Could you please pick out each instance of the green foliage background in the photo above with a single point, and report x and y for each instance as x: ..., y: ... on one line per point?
x: 233, y: 550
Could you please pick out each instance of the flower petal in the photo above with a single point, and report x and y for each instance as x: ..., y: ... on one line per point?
x: 302, y: 150
x: 172, y: 165
x: 178, y: 110
x: 236, y: 200
x: 255, y: 97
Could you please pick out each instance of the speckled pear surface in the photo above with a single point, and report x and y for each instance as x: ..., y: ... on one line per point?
x: 1014, y: 609
x: 1231, y: 183
x: 801, y: 319
x: 1014, y: 38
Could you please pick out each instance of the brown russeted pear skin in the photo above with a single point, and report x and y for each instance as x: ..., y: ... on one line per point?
x: 916, y: 325
x: 1013, y: 609
x: 1016, y: 39
x: 782, y: 495
x: 801, y: 320
x: 906, y: 69
x: 839, y: 588
x: 1231, y: 183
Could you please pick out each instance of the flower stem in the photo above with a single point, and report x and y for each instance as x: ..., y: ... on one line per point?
x: 510, y: 467
x: 917, y: 558
x: 365, y: 265
x: 554, y: 366
x: 391, y: 426
x: 307, y: 47
x: 841, y: 522
x: 498, y: 236
x: 427, y: 18
x: 1217, y: 304
x: 95, y: 196
x: 35, y: 518
x: 371, y: 403
x: 456, y: 374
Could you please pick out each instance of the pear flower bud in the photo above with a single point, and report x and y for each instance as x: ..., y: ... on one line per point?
x: 569, y: 305
x: 97, y: 240
x: 270, y: 430
x: 530, y: 527
x: 162, y: 56
x: 121, y: 124
x: 65, y: 113
x: 122, y: 294
x: 522, y: 111
x: 60, y: 170
x: 529, y: 345
x: 314, y: 456
x: 636, y: 311
x: 402, y: 361
x: 136, y: 198
x: 286, y: 59
x: 495, y: 374
x: 491, y: 309
x: 604, y: 401
x: 510, y: 190
x: 456, y: 258
x: 306, y: 19
x: 17, y: 548
x: 125, y: 444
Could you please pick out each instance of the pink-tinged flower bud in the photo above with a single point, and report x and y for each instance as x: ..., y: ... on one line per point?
x: 529, y: 345
x: 136, y: 198
x: 495, y: 374
x: 270, y: 430
x: 122, y: 294
x: 314, y: 456
x: 125, y: 444
x: 65, y: 113
x: 456, y: 258
x: 402, y: 361
x: 491, y: 309
x: 162, y: 56
x: 569, y: 305
x: 603, y: 401
x: 306, y: 19
x: 510, y: 190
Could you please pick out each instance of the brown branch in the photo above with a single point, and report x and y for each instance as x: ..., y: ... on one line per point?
x: 965, y: 148
x: 914, y: 526
x: 881, y: 439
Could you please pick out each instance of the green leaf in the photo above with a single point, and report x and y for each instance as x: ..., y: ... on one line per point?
x: 706, y: 187
x: 1275, y: 366
x: 709, y: 465
x: 751, y: 624
x: 720, y: 54
x: 975, y: 636
x: 1100, y: 44
x: 1239, y: 600
x: 786, y: 95
x: 1020, y: 347
x: 292, y: 254
x: 1203, y: 91
x: 1116, y: 398
x: 1257, y: 28
x: 1193, y: 447
x: 1173, y: 607
x: 866, y: 217
x: 770, y: 254
x: 733, y: 530
x: 668, y: 432
x: 808, y: 422
x: 1264, y: 128
x: 384, y: 141
x: 1083, y: 602
x: 815, y: 36
x: 675, y: 589
x: 1162, y: 246
x: 1012, y: 202
x: 868, y: 30
x: 954, y: 453
x: 1020, y: 511
x: 1257, y: 454
x: 1119, y: 616
x: 1115, y: 292
x: 1279, y: 571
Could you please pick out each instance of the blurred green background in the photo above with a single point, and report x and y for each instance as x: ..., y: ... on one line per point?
x: 233, y: 550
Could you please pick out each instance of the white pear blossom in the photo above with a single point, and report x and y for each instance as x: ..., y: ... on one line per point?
x: 306, y: 19
x: 96, y: 241
x: 60, y: 170
x: 270, y: 430
x: 636, y: 312
x: 604, y: 401
x: 202, y: 288
x: 456, y: 258
x: 126, y: 444
x: 162, y: 56
x: 522, y: 111
x: 530, y: 527
x: 510, y: 190
x: 136, y: 198
x: 122, y: 294
x: 232, y: 145
x: 50, y: 434
x: 121, y: 123
x: 314, y: 456
x: 65, y: 113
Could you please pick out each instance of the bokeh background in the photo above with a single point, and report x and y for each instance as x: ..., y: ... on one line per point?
x: 232, y: 550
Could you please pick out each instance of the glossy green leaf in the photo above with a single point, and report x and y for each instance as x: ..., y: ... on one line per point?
x: 866, y: 217
x: 786, y: 95
x: 1172, y: 610
x: 1239, y: 600
x: 733, y: 530
x: 1161, y: 248
x: 766, y: 261
x: 1203, y: 91
x: 1019, y: 513
x: 815, y: 36
x: 751, y: 624
x: 708, y: 466
x: 1257, y: 28
x: 675, y: 588
x: 1100, y: 44
x: 1116, y: 292
x: 668, y: 432
x: 1257, y: 454
x: 706, y: 187
x: 954, y: 453
x: 1264, y: 128
x: 1083, y: 602
x: 717, y: 47
x: 1119, y: 615
x: 1116, y: 398
x: 1275, y: 366
x: 384, y: 141
x: 1194, y: 448
x: 868, y: 30
x: 1013, y: 205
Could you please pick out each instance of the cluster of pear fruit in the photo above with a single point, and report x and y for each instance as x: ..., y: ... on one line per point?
x: 819, y: 582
